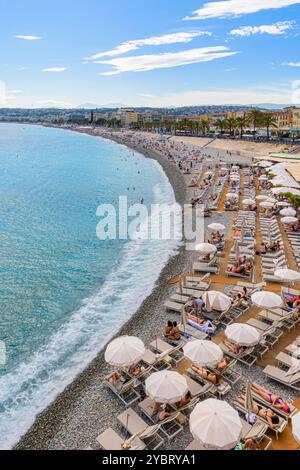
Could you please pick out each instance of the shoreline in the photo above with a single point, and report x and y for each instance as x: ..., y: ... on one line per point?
x: 52, y: 427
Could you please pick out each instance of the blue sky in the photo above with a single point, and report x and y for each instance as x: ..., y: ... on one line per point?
x: 158, y: 53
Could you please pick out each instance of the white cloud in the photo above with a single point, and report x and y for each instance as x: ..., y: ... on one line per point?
x: 15, y: 92
x: 231, y: 8
x: 28, y: 38
x: 55, y: 69
x: 293, y: 64
x: 136, y: 44
x: 276, y: 29
x: 146, y: 63
x: 244, y: 96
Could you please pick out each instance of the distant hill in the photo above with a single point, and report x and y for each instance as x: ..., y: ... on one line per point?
x: 98, y: 106
x: 271, y: 106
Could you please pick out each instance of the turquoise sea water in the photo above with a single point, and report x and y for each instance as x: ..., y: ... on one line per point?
x: 63, y: 292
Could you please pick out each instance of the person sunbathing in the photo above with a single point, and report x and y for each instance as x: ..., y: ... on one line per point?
x: 175, y: 334
x: 263, y: 249
x: 266, y: 413
x: 168, y: 329
x: 242, y: 260
x: 135, y: 370
x: 237, y: 301
x: 249, y: 444
x: 184, y: 401
x: 114, y: 378
x: 207, y: 375
x: 166, y: 413
x: 236, y: 269
x: 234, y: 348
x: 274, y: 400
x: 223, y: 364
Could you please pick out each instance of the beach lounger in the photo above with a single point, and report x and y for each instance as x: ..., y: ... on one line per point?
x: 194, y: 293
x: 126, y: 392
x: 173, y: 307
x: 178, y: 298
x: 247, y: 357
x: 267, y: 404
x: 173, y: 352
x: 136, y: 426
x: 256, y: 431
x: 252, y: 287
x: 110, y: 440
x: 279, y: 375
x: 285, y: 360
x: 193, y: 332
x: 223, y: 389
x: 204, y: 268
x: 170, y: 426
x: 282, y: 422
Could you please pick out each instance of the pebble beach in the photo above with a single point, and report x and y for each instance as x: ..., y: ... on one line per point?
x: 86, y: 408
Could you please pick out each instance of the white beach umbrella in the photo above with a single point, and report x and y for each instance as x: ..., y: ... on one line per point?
x: 216, y: 425
x: 203, y: 353
x: 124, y: 351
x: 267, y: 205
x: 287, y: 275
x: 289, y: 220
x: 206, y: 248
x: 267, y: 300
x: 243, y: 334
x: 263, y: 178
x: 285, y: 189
x: 166, y: 387
x: 262, y: 197
x: 248, y: 202
x: 288, y: 212
x: 217, y: 300
x: 232, y: 196
x: 217, y: 227
x: 265, y: 164
x: 296, y: 427
x: 272, y: 200
x: 283, y: 204
x: 235, y: 168
x: 235, y: 177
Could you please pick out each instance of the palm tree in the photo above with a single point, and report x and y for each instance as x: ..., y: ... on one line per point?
x: 268, y: 122
x: 255, y: 117
x: 242, y: 122
x: 221, y: 124
x: 231, y: 125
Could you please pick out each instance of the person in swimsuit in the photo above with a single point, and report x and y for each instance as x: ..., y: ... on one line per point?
x: 235, y: 349
x: 207, y: 375
x: 266, y: 413
x: 274, y: 400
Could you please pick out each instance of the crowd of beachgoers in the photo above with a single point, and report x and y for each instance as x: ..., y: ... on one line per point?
x: 210, y: 360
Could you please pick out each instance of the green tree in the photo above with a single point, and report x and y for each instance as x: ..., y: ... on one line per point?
x: 268, y: 122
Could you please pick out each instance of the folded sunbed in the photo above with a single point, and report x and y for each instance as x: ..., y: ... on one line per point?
x: 135, y: 425
x: 110, y: 440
